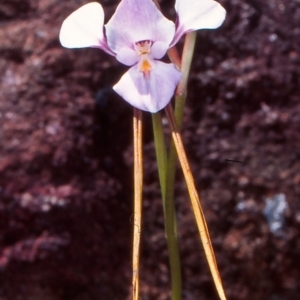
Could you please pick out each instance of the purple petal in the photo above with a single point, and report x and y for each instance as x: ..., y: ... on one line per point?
x: 150, y: 92
x: 84, y: 28
x: 138, y: 20
x: 197, y: 14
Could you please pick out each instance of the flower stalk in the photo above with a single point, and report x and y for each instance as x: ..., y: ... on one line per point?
x: 169, y: 207
x: 167, y: 165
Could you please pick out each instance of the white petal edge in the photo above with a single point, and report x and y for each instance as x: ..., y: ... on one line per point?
x: 197, y: 14
x: 149, y: 93
x: 84, y: 28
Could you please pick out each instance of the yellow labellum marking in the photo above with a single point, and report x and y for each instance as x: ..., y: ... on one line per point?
x: 143, y: 48
x: 145, y: 66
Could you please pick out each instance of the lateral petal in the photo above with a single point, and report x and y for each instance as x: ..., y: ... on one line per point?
x: 159, y: 49
x: 197, y: 14
x: 137, y: 20
x: 84, y: 28
x: 127, y: 56
x: 149, y: 92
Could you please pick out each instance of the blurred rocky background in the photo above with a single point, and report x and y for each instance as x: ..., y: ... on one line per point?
x: 66, y: 161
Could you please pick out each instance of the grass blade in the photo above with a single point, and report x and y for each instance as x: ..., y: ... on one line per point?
x: 198, y: 212
x: 138, y: 187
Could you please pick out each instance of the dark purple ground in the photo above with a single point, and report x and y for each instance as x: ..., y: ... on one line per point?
x: 66, y: 160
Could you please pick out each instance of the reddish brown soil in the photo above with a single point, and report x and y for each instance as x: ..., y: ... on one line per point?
x: 66, y: 160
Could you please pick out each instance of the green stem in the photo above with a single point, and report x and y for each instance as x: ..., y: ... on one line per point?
x: 187, y: 56
x: 161, y: 153
x: 169, y: 207
x: 167, y: 167
x: 171, y: 223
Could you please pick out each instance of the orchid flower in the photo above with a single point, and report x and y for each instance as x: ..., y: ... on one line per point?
x: 138, y: 35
